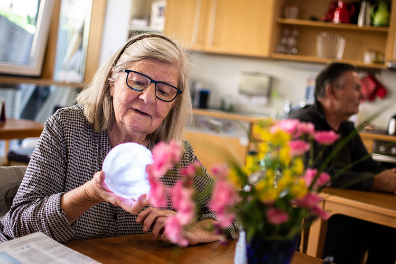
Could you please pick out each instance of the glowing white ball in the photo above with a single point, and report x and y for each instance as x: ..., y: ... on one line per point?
x: 125, y: 170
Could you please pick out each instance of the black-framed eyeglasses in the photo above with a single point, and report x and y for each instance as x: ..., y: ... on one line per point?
x: 138, y: 82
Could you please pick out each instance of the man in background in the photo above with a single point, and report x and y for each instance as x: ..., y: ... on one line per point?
x: 337, y: 97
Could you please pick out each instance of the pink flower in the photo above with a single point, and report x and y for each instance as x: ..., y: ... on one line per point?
x: 306, y: 128
x: 276, y: 216
x: 309, y: 176
x: 288, y: 125
x: 223, y: 194
x: 225, y: 218
x: 326, y: 137
x: 191, y: 170
x: 320, y: 212
x: 157, y: 193
x: 175, y: 151
x: 298, y: 147
x: 323, y: 179
x: 165, y: 156
x: 175, y: 232
x: 309, y: 201
x: 183, y: 203
x: 220, y: 172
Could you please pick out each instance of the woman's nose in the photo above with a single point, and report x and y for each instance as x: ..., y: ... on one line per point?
x: 148, y: 94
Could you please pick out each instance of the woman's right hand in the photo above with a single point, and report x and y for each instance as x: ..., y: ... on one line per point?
x: 76, y: 202
x: 99, y: 192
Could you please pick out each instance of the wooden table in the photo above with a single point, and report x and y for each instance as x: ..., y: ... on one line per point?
x: 19, y: 128
x: 374, y: 207
x: 141, y: 249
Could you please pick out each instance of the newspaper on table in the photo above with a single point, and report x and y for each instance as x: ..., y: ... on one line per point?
x: 38, y: 248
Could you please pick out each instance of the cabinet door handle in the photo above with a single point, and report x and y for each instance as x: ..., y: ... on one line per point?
x: 212, y: 23
x: 196, y: 21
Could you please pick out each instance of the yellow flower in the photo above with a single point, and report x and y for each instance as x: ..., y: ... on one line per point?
x: 261, y: 156
x: 257, y: 129
x: 284, y: 156
x: 266, y: 191
x: 266, y: 136
x: 280, y: 138
x: 252, y: 164
x: 263, y: 147
x: 287, y: 173
x: 298, y: 189
x: 269, y: 195
x: 298, y: 166
x: 270, y: 174
x: 235, y: 178
x: 283, y: 183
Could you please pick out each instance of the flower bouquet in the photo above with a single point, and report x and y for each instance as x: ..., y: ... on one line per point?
x: 270, y: 197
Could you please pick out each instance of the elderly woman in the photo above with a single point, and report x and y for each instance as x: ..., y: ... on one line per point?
x: 139, y: 95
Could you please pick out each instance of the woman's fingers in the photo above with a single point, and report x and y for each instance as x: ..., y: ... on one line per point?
x: 141, y: 217
x: 164, y: 237
x: 139, y: 204
x: 158, y: 227
x: 154, y: 219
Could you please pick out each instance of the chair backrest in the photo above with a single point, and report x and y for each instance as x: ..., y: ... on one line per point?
x: 10, y: 179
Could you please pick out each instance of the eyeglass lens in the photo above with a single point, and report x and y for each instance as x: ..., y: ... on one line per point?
x: 139, y: 82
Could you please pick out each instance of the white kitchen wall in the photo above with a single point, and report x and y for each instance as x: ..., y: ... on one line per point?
x: 220, y: 74
x: 116, y: 27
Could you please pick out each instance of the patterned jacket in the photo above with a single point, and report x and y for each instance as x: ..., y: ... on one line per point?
x: 68, y: 154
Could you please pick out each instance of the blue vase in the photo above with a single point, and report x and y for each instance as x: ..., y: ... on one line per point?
x: 263, y: 251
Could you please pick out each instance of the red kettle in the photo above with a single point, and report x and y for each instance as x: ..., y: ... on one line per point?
x: 330, y: 12
x: 343, y: 14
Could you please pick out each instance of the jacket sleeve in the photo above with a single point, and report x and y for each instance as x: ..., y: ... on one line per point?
x: 201, y: 182
x: 360, y: 175
x: 36, y: 206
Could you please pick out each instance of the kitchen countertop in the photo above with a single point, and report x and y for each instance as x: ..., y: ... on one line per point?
x: 253, y: 118
x: 375, y: 136
x: 245, y: 117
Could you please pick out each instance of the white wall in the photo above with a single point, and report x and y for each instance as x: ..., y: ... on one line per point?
x: 220, y: 74
x: 116, y: 27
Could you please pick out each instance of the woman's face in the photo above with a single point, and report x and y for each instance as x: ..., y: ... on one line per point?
x: 141, y: 113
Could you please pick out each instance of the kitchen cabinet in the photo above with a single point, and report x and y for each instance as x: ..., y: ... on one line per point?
x: 234, y: 27
x: 216, y: 134
x: 210, y: 148
x: 358, y: 39
x: 93, y: 49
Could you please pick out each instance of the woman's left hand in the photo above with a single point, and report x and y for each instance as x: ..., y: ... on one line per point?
x: 154, y: 219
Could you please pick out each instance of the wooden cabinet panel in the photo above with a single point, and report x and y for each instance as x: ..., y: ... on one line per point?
x: 209, y: 148
x: 185, y: 21
x: 238, y: 27
x: 222, y: 26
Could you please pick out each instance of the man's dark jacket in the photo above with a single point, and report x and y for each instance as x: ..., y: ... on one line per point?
x: 360, y: 175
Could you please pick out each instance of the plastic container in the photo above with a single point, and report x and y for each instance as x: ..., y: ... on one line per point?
x: 330, y: 46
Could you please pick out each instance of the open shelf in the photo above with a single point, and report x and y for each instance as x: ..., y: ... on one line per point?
x: 38, y: 81
x: 309, y: 23
x: 322, y: 60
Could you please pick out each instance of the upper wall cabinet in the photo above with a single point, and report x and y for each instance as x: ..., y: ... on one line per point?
x: 304, y: 18
x: 235, y: 27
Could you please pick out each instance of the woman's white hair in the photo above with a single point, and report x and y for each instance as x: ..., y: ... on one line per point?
x: 98, y: 103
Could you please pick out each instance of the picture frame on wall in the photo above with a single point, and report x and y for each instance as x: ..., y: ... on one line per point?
x: 158, y: 15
